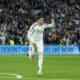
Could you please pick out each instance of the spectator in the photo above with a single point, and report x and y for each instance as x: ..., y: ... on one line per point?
x: 19, y: 13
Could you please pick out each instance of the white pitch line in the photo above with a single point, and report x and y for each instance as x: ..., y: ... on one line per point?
x: 15, y: 75
x: 20, y: 77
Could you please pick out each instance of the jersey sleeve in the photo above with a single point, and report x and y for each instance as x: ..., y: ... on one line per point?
x: 30, y: 32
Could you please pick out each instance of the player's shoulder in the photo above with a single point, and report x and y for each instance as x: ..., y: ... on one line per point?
x: 44, y: 25
x: 34, y: 24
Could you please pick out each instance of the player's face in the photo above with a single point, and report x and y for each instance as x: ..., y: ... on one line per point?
x: 40, y: 21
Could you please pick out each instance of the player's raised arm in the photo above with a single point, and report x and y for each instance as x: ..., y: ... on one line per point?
x: 52, y: 22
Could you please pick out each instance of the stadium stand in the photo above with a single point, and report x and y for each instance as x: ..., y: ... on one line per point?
x: 16, y: 16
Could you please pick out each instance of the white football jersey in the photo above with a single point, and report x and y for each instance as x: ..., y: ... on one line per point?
x: 35, y: 32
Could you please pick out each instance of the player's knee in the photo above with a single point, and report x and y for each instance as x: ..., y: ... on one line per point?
x: 40, y: 52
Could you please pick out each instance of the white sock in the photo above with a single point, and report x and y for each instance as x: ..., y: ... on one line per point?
x: 40, y: 62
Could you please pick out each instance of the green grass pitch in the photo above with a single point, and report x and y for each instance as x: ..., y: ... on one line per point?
x: 55, y: 67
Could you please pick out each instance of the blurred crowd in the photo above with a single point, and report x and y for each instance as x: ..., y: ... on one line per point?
x: 16, y: 17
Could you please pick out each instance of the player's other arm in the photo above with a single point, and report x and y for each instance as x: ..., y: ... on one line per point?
x: 52, y: 22
x: 30, y: 32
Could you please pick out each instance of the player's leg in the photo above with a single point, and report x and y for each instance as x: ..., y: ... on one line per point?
x: 31, y: 50
x: 40, y: 54
x: 40, y: 62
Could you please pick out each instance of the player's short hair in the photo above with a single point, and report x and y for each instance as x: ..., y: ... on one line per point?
x: 38, y: 16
